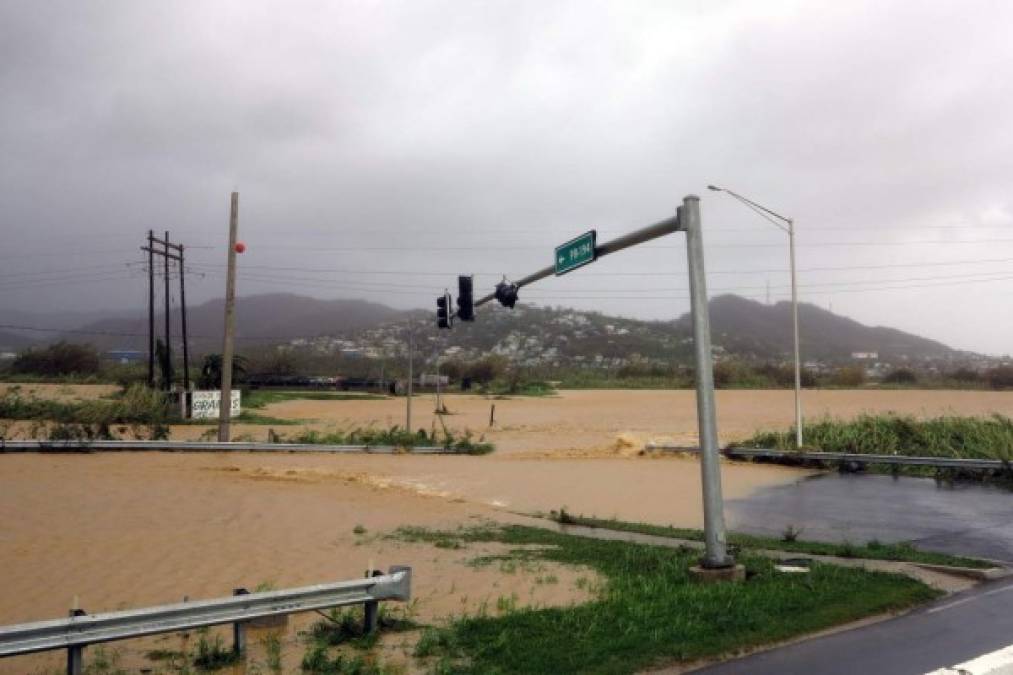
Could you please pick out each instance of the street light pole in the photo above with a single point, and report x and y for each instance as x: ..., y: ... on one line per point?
x: 794, y: 320
x: 790, y: 230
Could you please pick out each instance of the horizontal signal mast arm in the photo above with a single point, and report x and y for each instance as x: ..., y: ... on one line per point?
x: 644, y: 234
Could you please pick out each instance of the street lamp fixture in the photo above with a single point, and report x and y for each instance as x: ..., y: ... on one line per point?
x: 784, y: 224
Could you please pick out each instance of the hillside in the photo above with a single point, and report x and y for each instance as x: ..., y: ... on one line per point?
x: 742, y: 329
x: 262, y: 319
x: 750, y: 328
x: 533, y: 335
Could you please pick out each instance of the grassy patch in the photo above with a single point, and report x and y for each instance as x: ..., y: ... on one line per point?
x: 949, y: 437
x: 329, y: 639
x: 212, y: 654
x: 872, y: 550
x: 258, y: 398
x: 138, y: 410
x: 247, y: 417
x: 649, y: 612
x: 531, y: 388
x: 398, y: 437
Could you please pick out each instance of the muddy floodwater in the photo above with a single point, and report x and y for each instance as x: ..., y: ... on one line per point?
x: 112, y: 531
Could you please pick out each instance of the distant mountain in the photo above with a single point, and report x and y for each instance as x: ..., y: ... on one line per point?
x: 260, y: 319
x: 13, y: 342
x: 741, y: 328
x: 750, y: 328
x: 534, y: 335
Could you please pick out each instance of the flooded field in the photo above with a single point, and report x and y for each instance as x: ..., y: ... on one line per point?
x: 109, y: 531
x: 578, y: 422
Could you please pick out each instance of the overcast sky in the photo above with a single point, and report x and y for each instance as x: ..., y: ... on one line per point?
x: 380, y: 148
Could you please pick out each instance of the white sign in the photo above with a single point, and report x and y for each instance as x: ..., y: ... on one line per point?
x: 206, y: 404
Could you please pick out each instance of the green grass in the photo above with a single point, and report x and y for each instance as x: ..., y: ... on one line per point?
x: 212, y: 654
x: 343, y: 628
x: 128, y: 411
x: 530, y: 388
x: 137, y: 405
x: 648, y: 612
x: 890, y: 434
x: 258, y: 398
x: 395, y: 436
x: 872, y: 550
x: 247, y: 417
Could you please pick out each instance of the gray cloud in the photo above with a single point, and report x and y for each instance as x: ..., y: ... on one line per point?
x: 505, y: 128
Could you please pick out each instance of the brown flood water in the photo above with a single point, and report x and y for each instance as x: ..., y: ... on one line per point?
x: 592, y: 420
x: 135, y: 529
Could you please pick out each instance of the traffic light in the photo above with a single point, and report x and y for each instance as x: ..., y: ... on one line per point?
x: 465, y: 299
x: 443, y: 319
x: 506, y: 293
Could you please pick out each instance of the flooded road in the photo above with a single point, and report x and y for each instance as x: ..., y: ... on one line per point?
x: 962, y: 519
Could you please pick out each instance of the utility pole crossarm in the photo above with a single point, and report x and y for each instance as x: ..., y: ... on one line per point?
x: 165, y: 254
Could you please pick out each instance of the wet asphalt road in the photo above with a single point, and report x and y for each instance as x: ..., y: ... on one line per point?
x: 949, y: 631
x: 966, y: 519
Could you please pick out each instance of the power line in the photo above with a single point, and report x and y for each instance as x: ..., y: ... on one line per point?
x: 405, y: 272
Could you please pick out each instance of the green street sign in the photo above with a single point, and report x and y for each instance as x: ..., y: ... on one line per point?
x: 576, y: 253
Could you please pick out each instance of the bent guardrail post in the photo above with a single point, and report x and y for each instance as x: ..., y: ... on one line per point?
x: 80, y: 629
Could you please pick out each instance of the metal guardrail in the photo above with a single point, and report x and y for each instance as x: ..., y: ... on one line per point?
x: 80, y: 629
x: 765, y: 453
x: 901, y: 460
x: 210, y: 446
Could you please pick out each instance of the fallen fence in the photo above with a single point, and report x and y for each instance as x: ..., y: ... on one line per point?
x: 860, y: 458
x: 211, y: 446
x: 80, y: 629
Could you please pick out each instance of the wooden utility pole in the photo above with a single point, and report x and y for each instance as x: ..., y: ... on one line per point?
x: 165, y: 249
x: 186, y: 346
x: 151, y: 309
x: 168, y: 339
x: 225, y: 408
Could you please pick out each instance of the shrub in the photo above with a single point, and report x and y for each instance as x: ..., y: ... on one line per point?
x: 791, y: 533
x: 965, y: 375
x: 901, y: 376
x: 486, y: 370
x: 737, y: 374
x: 849, y: 376
x: 62, y: 358
x: 1000, y: 377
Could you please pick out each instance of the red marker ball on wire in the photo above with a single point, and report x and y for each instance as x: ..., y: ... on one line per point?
x: 240, y: 247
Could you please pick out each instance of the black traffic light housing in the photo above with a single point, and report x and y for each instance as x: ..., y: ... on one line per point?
x: 465, y: 298
x: 443, y: 318
x: 506, y: 293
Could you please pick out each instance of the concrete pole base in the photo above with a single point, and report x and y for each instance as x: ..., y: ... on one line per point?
x: 710, y: 575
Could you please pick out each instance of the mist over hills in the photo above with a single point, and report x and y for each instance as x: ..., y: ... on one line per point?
x: 742, y: 328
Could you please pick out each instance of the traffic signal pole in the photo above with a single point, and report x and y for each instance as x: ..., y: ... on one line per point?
x: 716, y: 555
x: 716, y: 562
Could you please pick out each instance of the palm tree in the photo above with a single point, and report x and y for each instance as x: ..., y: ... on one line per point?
x: 211, y: 371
